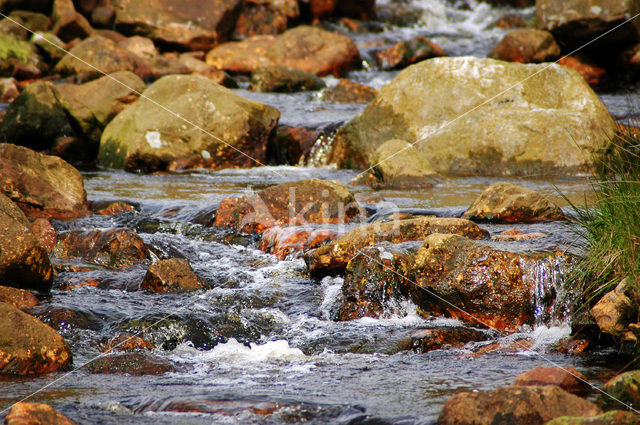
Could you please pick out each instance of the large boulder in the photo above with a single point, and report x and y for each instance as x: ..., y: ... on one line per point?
x: 24, y: 413
x: 24, y: 263
x: 509, y: 203
x: 28, y: 346
x: 527, y: 45
x: 514, y: 405
x: 333, y: 257
x: 187, y: 121
x: 187, y: 25
x: 41, y: 185
x: 575, y: 22
x: 483, y: 116
x: 306, y: 48
x: 93, y: 105
x: 287, y: 204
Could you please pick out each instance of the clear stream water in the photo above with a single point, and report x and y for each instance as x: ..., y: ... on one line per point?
x: 261, y: 337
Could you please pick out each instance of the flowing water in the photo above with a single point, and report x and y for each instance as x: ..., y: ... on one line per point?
x: 259, y: 346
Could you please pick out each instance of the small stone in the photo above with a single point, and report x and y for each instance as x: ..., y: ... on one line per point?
x: 173, y: 275
x: 347, y: 91
x: 405, y: 53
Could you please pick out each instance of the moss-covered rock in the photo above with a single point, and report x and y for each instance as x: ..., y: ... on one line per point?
x: 18, y: 58
x: 147, y: 137
x: 621, y: 390
x: 616, y: 417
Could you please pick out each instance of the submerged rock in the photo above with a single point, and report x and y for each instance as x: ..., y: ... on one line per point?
x: 406, y: 53
x: 136, y: 364
x: 41, y: 185
x: 24, y: 263
x: 508, y: 203
x: 146, y: 137
x: 23, y: 413
x: 527, y: 45
x: 620, y: 391
x: 172, y: 275
x: 305, y: 48
x: 566, y: 377
x: 283, y: 79
x: 616, y: 417
x: 294, y: 203
x: 458, y: 114
x: 514, y: 405
x: 333, y: 257
x: 426, y: 340
x: 28, y: 346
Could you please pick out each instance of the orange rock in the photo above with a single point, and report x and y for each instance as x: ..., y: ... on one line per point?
x: 567, y: 378
x: 172, y: 275
x: 283, y: 241
x: 115, y: 208
x: 595, y: 75
x: 19, y: 298
x: 24, y: 413
x: 347, y: 91
x: 44, y: 231
x: 408, y: 52
x: 126, y: 342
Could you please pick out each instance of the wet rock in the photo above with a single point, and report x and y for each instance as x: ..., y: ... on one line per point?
x: 46, y: 234
x: 50, y: 45
x: 621, y: 390
x: 614, y: 311
x: 406, y: 53
x: 23, y: 413
x: 594, y: 75
x: 576, y: 22
x: 283, y: 79
x: 616, y: 417
x: 333, y: 257
x: 508, y: 203
x: 104, y: 55
x: 136, y: 364
x: 567, y: 378
x: 65, y: 319
x: 347, y: 91
x: 145, y: 137
x: 94, y: 104
x: 67, y: 23
x: 197, y: 66
x: 103, y: 16
x: 187, y: 26
x: 426, y: 340
x: 283, y: 241
x: 398, y: 164
x: 514, y: 405
x: 305, y: 48
x: 527, y: 45
x: 8, y: 90
x: 291, y: 144
x: 507, y: 134
x: 517, y: 235
x: 28, y: 346
x: 24, y: 263
x: 259, y: 17
x: 358, y: 9
x: 19, y: 59
x: 172, y: 275
x: 41, y: 185
x: 36, y: 118
x: 127, y: 343
x: 114, y: 248
x: 117, y: 207
x: 293, y: 203
x: 19, y: 298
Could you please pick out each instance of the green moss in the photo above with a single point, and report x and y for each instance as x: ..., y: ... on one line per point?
x: 11, y: 47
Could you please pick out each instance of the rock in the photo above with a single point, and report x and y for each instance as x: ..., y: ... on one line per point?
x: 67, y: 23
x: 594, y: 75
x: 19, y: 59
x: 33, y: 20
x: 197, y: 66
x: 291, y: 145
x: 23, y: 413
x: 293, y: 203
x: 514, y: 3
x: 614, y: 311
x: 517, y: 235
x: 46, y: 234
x: 8, y: 90
x: 28, y: 346
x: 305, y: 48
x: 172, y: 275
x: 333, y: 257
x: 41, y: 185
x: 359, y: 9
x: 567, y: 378
x: 426, y: 340
x: 104, y: 56
x: 140, y: 46
x: 493, y: 132
x: 41, y: 6
x: 261, y: 18
x: 14, y: 27
x: 136, y: 364
x: 510, y: 21
x: 397, y: 164
x: 65, y: 319
x: 50, y: 45
x: 406, y: 53
x: 184, y: 26
x: 576, y: 22
x: 103, y: 16
x: 527, y: 45
x: 114, y: 248
x: 127, y: 343
x: 347, y: 91
x: 616, y: 417
x: 36, y: 118
x: 283, y: 79
x: 508, y: 203
x: 514, y: 405
x: 283, y: 241
x: 24, y: 263
x: 621, y: 391
x: 116, y: 207
x: 19, y: 298
x: 145, y: 137
x: 94, y: 104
